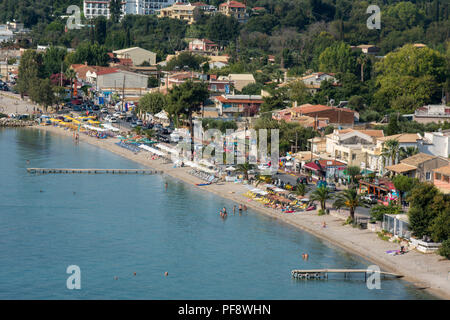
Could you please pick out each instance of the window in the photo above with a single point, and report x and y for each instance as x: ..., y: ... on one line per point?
x: 428, y: 176
x: 353, y: 156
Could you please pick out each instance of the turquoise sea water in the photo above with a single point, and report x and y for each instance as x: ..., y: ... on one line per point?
x: 114, y: 225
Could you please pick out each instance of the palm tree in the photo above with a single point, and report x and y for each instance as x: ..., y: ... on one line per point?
x: 350, y: 199
x: 362, y: 60
x: 390, y: 151
x: 245, y: 168
x: 407, y: 152
x: 300, y: 189
x: 321, y: 195
x: 71, y: 75
x: 353, y: 172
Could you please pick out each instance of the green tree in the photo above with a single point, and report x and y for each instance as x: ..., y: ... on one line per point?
x: 244, y: 168
x: 338, y: 58
x: 390, y: 151
x: 353, y: 172
x: 184, y: 100
x: 152, y: 103
x: 220, y: 27
x: 115, y: 9
x: 29, y: 71
x: 421, y: 213
x: 300, y: 189
x: 377, y: 212
x: 321, y: 195
x: 299, y: 92
x: 350, y: 199
x: 42, y: 93
x: 410, y: 77
x: 440, y: 228
x: 403, y: 185
x: 407, y: 152
x: 71, y: 75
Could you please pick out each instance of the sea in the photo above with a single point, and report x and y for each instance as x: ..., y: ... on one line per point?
x: 131, y: 238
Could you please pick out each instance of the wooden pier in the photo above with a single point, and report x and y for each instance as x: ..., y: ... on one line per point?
x: 323, y: 273
x: 92, y: 171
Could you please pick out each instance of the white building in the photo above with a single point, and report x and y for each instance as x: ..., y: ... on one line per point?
x: 436, y: 143
x: 96, y: 8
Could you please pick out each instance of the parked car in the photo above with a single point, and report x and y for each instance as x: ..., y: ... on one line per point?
x: 113, y: 120
x: 104, y: 110
x: 133, y: 125
x: 370, y: 199
x: 139, y: 122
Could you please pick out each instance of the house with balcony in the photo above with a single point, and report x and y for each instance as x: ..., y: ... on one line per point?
x: 442, y: 178
x: 203, y: 45
x: 351, y: 146
x: 234, y: 9
x: 231, y: 106
x: 436, y: 143
x: 432, y: 113
x: 180, y: 11
x: 420, y: 166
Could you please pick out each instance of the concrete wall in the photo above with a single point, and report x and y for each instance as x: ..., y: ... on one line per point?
x: 115, y: 80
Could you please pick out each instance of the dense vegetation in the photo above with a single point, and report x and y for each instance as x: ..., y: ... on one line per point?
x: 302, y: 35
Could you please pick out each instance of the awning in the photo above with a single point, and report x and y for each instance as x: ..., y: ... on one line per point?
x: 400, y: 168
x: 153, y: 150
x: 166, y: 148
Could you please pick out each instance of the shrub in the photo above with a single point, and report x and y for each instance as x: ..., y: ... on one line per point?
x: 445, y: 249
x: 321, y: 212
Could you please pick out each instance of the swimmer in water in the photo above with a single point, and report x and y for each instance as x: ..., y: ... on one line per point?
x: 306, y: 256
x: 166, y: 185
x: 224, y: 210
x: 166, y: 273
x: 234, y: 209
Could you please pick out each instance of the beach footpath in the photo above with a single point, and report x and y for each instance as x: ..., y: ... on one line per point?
x: 429, y: 272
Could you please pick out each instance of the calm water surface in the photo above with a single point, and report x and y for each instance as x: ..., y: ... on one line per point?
x: 111, y: 226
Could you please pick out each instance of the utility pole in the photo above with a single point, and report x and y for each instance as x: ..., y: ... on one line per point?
x: 123, y: 93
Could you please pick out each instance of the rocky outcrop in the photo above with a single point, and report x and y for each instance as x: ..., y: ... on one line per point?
x: 14, y: 123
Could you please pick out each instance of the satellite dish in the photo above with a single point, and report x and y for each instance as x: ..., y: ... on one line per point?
x: 332, y: 102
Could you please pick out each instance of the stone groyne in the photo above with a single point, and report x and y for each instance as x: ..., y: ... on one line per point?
x: 14, y: 123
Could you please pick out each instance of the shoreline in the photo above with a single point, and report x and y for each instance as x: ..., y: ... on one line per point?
x: 429, y: 272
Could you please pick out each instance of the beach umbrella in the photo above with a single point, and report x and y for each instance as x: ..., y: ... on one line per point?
x: 230, y: 168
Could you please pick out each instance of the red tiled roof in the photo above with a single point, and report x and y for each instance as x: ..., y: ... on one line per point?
x: 199, y: 4
x: 324, y: 164
x: 232, y: 4
x: 308, y: 108
x: 107, y: 71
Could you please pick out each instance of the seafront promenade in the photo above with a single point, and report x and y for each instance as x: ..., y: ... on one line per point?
x: 426, y: 271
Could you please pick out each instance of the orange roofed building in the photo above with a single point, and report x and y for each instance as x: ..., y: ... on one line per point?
x: 334, y: 115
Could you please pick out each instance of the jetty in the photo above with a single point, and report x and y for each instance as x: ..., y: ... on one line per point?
x: 323, y: 273
x: 93, y: 171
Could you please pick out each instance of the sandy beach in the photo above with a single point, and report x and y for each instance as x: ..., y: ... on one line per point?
x: 429, y: 272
